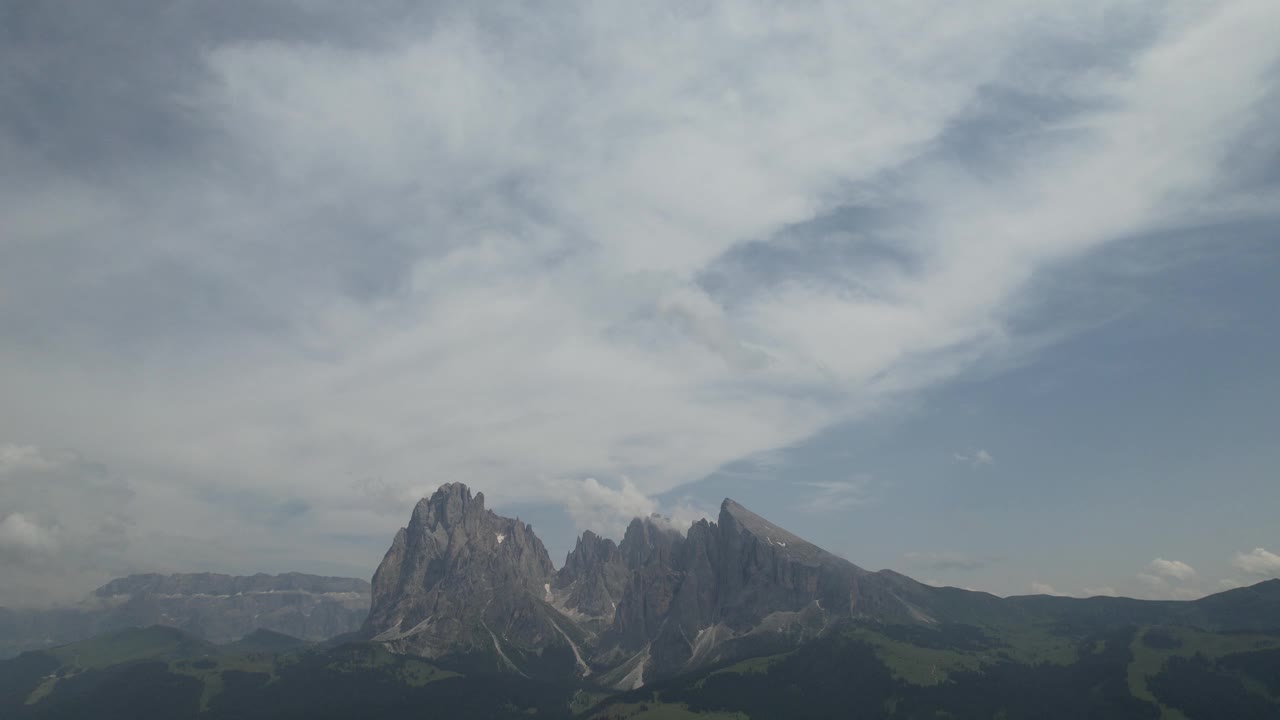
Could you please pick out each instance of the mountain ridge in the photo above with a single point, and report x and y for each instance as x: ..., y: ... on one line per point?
x: 734, y: 617
x: 659, y: 603
x: 217, y: 607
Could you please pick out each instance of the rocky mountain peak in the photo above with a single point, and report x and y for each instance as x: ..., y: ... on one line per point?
x: 451, y: 504
x: 592, y: 579
x: 736, y: 519
x: 457, y: 570
x: 649, y: 540
x: 590, y: 551
x: 460, y: 578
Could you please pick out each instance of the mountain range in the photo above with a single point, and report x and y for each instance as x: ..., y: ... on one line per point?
x: 215, y: 607
x: 460, y: 580
x: 727, y: 619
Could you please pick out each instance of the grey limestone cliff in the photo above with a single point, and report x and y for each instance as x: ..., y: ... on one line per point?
x: 461, y: 579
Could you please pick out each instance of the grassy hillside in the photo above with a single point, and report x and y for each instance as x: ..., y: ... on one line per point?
x: 1046, y: 671
x: 166, y: 673
x: 1044, y: 659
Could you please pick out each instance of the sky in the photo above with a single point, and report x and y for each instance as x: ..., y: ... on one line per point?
x: 983, y: 297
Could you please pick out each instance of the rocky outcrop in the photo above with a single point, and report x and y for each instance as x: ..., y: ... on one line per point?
x: 738, y: 583
x: 592, y: 579
x: 652, y: 553
x: 460, y: 579
x: 219, y: 608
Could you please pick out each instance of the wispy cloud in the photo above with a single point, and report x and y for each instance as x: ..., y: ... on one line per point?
x: 17, y: 533
x: 505, y: 245
x: 975, y: 458
x: 1175, y: 569
x: 946, y: 560
x: 1043, y: 588
x: 836, y: 496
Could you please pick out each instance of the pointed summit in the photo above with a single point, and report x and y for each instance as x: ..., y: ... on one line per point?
x: 456, y: 571
x: 462, y: 579
x: 736, y: 518
x: 450, y: 503
x: 592, y: 579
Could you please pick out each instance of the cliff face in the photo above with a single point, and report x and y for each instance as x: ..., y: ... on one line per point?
x: 219, y: 608
x: 738, y: 583
x: 461, y: 579
x: 592, y: 579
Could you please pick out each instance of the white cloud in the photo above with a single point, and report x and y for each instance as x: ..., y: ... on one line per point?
x: 1175, y: 569
x: 1104, y: 590
x: 604, y: 509
x: 19, y: 533
x: 1041, y: 588
x: 1171, y: 580
x: 467, y: 253
x: 1154, y: 581
x: 607, y: 511
x: 976, y: 458
x: 837, y: 495
x: 22, y: 457
x: 1258, y: 561
x: 65, y: 525
x: 1186, y: 593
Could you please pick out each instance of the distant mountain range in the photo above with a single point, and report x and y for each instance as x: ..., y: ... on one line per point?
x: 736, y: 618
x: 218, y: 608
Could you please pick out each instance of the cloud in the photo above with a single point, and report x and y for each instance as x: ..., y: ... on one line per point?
x: 66, y: 524
x: 946, y: 560
x: 254, y: 258
x: 20, y: 534
x: 836, y: 495
x: 1186, y: 593
x: 1259, y: 562
x: 14, y: 458
x: 976, y: 458
x: 1154, y: 581
x: 1174, y: 569
x: 1040, y: 588
x: 1104, y: 590
x: 1171, y: 580
x: 607, y: 511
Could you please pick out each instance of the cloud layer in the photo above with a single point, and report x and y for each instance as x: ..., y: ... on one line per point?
x: 304, y: 267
